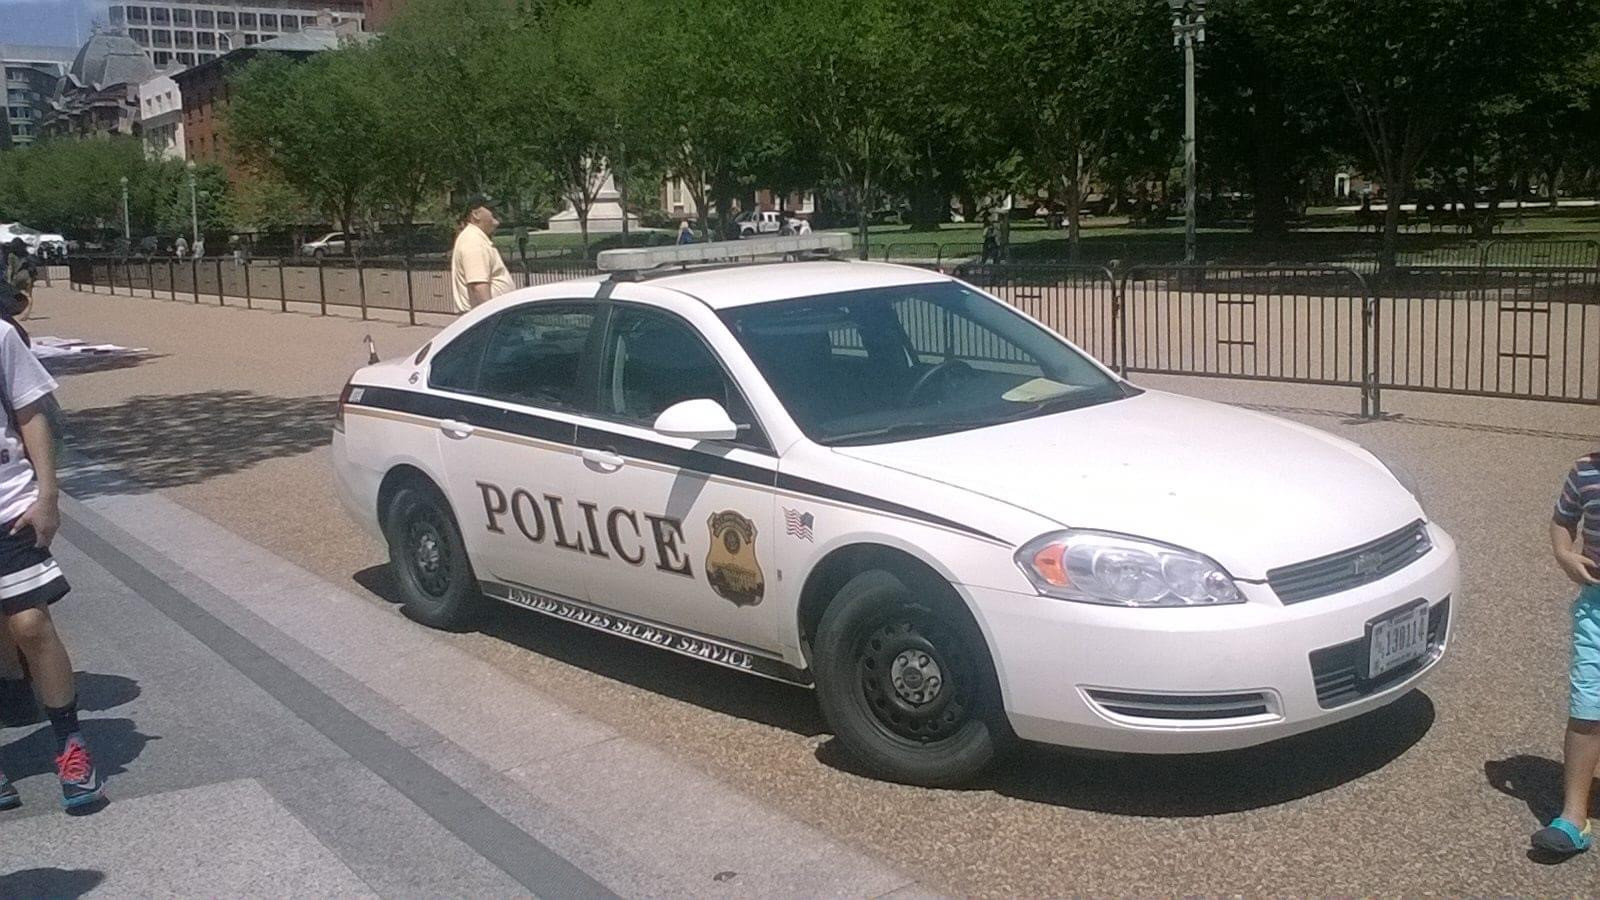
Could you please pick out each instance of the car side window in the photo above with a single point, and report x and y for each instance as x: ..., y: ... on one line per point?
x: 654, y: 360
x: 455, y: 366
x: 535, y: 353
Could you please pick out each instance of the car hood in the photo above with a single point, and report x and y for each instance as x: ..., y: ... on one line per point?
x: 1249, y: 490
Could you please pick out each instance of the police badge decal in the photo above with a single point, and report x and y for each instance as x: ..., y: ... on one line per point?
x: 731, y: 566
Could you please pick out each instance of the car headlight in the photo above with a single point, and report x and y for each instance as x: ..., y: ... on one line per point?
x: 1111, y: 569
x: 1401, y: 475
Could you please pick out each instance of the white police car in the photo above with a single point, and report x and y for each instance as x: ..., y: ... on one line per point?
x: 882, y: 482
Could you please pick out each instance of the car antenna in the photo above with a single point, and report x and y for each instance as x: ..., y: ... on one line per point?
x: 372, y: 351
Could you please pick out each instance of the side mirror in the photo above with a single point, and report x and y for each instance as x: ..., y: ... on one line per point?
x: 698, y: 420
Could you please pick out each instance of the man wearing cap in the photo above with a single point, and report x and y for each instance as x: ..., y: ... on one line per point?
x: 477, y: 272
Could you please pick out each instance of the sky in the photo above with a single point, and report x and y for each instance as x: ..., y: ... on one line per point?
x: 62, y: 23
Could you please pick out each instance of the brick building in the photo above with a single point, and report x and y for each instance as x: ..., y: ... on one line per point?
x: 205, y: 88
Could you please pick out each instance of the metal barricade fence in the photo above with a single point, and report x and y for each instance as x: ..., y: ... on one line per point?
x: 1077, y: 302
x: 1518, y: 331
x: 1531, y: 333
x: 1291, y: 324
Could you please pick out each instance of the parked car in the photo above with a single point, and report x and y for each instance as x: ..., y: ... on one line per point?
x: 332, y: 243
x: 902, y: 492
x: 758, y: 221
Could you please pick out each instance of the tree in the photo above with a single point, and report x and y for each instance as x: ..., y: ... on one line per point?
x: 75, y: 186
x: 1409, y: 71
x: 709, y: 117
x: 1079, y: 79
x: 449, y: 65
x: 1260, y: 128
x: 836, y: 77
x: 312, y: 124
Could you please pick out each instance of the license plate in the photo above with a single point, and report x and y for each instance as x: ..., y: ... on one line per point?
x: 1397, y: 639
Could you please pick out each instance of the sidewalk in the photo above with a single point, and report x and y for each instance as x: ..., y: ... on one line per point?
x: 265, y: 732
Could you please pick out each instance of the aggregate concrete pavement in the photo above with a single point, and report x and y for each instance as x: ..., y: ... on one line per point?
x: 228, y: 418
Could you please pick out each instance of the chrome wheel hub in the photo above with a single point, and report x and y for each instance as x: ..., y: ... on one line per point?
x: 428, y: 553
x: 916, y: 677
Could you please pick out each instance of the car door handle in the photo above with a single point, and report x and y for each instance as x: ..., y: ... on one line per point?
x: 457, y: 429
x: 604, y: 460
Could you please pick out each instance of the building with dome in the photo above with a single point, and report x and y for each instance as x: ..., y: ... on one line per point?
x: 99, y: 95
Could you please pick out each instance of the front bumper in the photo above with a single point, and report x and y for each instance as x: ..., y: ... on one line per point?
x: 356, y: 487
x: 1208, y: 679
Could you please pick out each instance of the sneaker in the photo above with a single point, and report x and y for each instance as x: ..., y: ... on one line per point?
x: 18, y: 707
x: 80, y: 784
x: 9, y: 798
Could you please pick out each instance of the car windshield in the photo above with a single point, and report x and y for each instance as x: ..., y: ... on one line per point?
x: 886, y: 364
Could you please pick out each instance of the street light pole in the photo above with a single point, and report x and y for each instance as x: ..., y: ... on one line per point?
x: 1188, y: 29
x: 127, y: 232
x: 194, y: 210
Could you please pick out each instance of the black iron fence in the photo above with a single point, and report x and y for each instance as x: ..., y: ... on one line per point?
x: 1520, y: 330
x: 1527, y: 332
x: 412, y: 286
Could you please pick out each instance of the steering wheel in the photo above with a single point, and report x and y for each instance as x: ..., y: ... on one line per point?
x: 942, y: 370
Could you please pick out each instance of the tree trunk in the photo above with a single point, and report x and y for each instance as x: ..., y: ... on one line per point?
x: 1391, y: 224
x: 1074, y: 201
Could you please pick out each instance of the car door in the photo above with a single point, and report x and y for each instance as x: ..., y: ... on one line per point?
x: 688, y: 525
x: 515, y: 479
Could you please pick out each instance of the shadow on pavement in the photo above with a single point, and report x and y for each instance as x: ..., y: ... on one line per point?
x: 115, y: 743
x: 156, y: 442
x: 84, y: 364
x: 97, y: 693
x: 705, y: 685
x: 1535, y: 781
x: 1174, y: 786
x: 50, y: 882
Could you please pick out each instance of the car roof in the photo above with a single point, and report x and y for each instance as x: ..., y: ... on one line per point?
x: 725, y: 287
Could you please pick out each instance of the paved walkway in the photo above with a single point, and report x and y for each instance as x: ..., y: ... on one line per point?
x: 265, y: 732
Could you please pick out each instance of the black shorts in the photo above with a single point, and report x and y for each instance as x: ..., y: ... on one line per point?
x: 29, y: 575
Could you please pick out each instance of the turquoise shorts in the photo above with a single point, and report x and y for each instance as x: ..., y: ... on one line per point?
x: 1585, y: 703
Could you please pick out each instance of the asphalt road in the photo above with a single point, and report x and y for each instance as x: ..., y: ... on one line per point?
x: 229, y: 417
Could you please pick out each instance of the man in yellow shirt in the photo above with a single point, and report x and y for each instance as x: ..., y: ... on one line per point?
x: 477, y: 272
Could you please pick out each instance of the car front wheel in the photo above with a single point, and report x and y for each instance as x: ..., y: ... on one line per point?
x: 905, y: 684
x: 429, y: 559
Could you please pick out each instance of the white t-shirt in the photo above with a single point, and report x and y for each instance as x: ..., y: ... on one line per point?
x: 25, y: 381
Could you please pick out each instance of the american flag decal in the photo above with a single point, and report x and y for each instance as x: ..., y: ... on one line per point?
x: 798, y: 524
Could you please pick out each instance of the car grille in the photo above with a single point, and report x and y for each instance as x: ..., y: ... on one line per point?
x: 1168, y: 707
x: 1351, y: 568
x: 1340, y: 671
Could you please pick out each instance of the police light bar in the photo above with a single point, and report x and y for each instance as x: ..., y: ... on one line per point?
x: 643, y: 259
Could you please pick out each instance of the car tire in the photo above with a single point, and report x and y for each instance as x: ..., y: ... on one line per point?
x: 318, y: 254
x: 905, y: 683
x: 429, y: 559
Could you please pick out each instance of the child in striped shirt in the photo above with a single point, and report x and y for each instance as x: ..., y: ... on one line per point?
x: 1575, y: 537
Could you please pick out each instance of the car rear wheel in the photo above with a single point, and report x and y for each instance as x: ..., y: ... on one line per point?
x: 905, y: 684
x: 429, y: 559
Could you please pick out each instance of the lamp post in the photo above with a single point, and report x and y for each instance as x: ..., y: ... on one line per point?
x: 127, y: 232
x: 194, y: 210
x: 1188, y: 29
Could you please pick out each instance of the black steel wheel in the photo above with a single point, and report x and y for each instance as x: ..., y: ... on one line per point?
x: 904, y: 680
x: 429, y: 559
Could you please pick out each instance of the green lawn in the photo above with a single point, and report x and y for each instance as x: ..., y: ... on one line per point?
x: 1326, y: 235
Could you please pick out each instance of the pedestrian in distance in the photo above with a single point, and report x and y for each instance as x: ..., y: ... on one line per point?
x: 21, y: 268
x: 200, y: 247
x: 30, y: 579
x: 991, y: 244
x: 685, y: 233
x: 1575, y: 538
x: 477, y: 273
